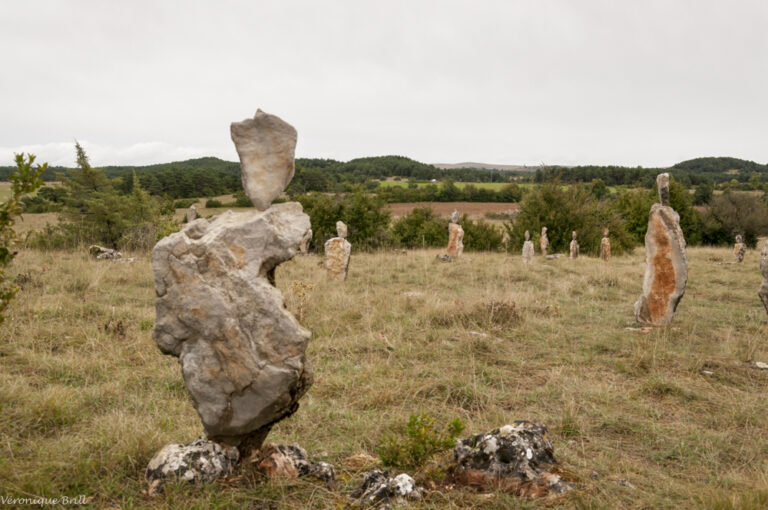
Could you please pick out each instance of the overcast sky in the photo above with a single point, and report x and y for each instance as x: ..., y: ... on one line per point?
x: 511, y: 82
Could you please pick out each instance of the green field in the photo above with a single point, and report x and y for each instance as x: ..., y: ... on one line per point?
x: 495, y: 186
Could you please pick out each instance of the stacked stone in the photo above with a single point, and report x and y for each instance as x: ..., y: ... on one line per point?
x: 337, y: 253
x: 574, y: 252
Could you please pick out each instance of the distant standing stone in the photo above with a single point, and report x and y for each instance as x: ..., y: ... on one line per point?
x: 336, y: 261
x: 739, y: 249
x: 527, y: 249
x: 192, y: 213
x: 666, y: 263
x: 455, y: 240
x: 341, y: 229
x: 605, y: 246
x: 543, y: 242
x: 763, y: 292
x: 266, y: 146
x: 574, y: 246
x: 455, y: 216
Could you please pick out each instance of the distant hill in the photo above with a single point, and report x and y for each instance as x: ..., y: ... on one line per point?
x: 485, y: 166
x: 720, y: 165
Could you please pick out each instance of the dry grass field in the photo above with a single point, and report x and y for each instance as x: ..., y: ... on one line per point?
x: 472, y: 209
x: 672, y: 418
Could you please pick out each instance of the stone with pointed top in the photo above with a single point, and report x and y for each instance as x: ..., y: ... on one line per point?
x: 455, y: 216
x: 543, y: 242
x: 527, y: 249
x: 574, y: 253
x: 341, y: 229
x: 662, y: 182
x: 605, y: 246
x: 192, y: 213
x: 739, y: 249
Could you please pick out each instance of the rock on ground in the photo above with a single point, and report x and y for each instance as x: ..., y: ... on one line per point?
x: 102, y: 253
x: 763, y: 292
x: 242, y: 353
x: 266, y: 145
x: 199, y: 461
x: 379, y: 490
x: 516, y: 458
x: 455, y: 240
x: 291, y: 461
x: 666, y: 268
x: 336, y: 261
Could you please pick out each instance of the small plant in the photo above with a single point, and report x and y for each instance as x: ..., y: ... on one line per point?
x: 421, y: 441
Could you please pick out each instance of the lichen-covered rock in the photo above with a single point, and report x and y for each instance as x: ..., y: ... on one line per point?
x: 291, y: 461
x: 455, y: 240
x: 516, y: 458
x: 543, y: 242
x: 266, y: 145
x: 666, y: 264
x: 739, y: 249
x: 763, y: 291
x: 574, y: 249
x: 241, y: 351
x: 605, y: 247
x: 199, y: 461
x: 379, y: 490
x: 527, y: 249
x: 102, y: 253
x: 336, y: 261
x: 192, y: 213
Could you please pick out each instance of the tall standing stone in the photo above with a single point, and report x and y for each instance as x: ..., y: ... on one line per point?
x: 605, y: 246
x: 192, y: 213
x: 739, y: 249
x: 666, y: 264
x: 266, y: 146
x: 455, y: 237
x: 543, y: 242
x: 337, y: 253
x: 574, y: 253
x: 763, y: 291
x: 527, y: 249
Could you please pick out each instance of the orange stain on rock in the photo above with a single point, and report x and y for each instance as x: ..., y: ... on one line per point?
x: 664, y: 282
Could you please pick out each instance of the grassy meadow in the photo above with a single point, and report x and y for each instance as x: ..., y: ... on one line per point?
x: 671, y: 418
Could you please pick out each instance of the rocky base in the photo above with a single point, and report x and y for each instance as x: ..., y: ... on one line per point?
x: 199, y: 461
x: 379, y: 490
x: 290, y: 461
x: 516, y: 458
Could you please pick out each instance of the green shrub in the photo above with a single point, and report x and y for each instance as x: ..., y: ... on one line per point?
x: 421, y: 441
x: 184, y: 203
x: 212, y: 203
x: 481, y: 236
x: 420, y: 228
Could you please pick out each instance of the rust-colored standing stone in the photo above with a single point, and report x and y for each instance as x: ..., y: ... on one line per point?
x: 455, y: 240
x: 605, y: 247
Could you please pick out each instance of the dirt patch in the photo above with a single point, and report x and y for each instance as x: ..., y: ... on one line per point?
x: 474, y: 209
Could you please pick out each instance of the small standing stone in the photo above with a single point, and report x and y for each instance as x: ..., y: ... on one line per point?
x: 527, y: 249
x: 763, y: 292
x: 341, y: 229
x: 455, y: 237
x: 543, y: 242
x: 455, y: 216
x: 192, y: 213
x: 574, y: 246
x: 739, y: 249
x: 605, y: 246
x: 666, y: 263
x: 337, y: 253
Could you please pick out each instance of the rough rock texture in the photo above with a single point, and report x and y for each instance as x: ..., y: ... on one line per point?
x: 527, y: 249
x: 739, y: 249
x: 199, y: 461
x: 543, y: 242
x: 574, y: 253
x: 241, y: 352
x: 341, y: 229
x: 455, y: 240
x: 455, y: 216
x: 662, y: 183
x: 304, y: 244
x: 763, y: 291
x: 291, y: 461
x: 443, y: 258
x: 516, y: 458
x: 192, y: 213
x: 336, y: 261
x: 102, y: 253
x: 605, y: 247
x: 266, y: 145
x: 666, y: 265
x: 379, y: 490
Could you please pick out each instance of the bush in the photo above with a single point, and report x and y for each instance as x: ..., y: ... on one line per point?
x: 420, y: 228
x: 421, y: 441
x: 212, y: 203
x: 184, y: 203
x: 735, y: 213
x: 481, y: 236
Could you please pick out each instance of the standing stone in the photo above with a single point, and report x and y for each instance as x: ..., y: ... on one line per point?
x: 527, y: 249
x: 763, y: 292
x: 543, y: 242
x: 266, y: 146
x: 336, y: 261
x: 574, y: 246
x: 739, y: 249
x: 455, y: 216
x: 455, y: 240
x: 304, y: 244
x: 341, y: 229
x: 605, y: 246
x: 666, y: 264
x: 192, y: 213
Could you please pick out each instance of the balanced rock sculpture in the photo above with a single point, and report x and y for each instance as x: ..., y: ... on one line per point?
x: 739, y: 249
x: 763, y: 292
x: 455, y: 237
x: 266, y: 145
x: 666, y: 264
x: 543, y: 242
x: 242, y: 354
x: 337, y: 253
x: 605, y: 246
x: 574, y: 246
x: 527, y: 249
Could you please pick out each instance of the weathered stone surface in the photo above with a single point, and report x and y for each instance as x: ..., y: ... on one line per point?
x: 455, y: 216
x: 516, y: 458
x: 574, y: 251
x: 199, y: 461
x: 341, y: 229
x: 739, y: 249
x: 666, y: 265
x: 291, y: 461
x: 763, y: 292
x: 379, y: 490
x: 192, y: 213
x: 605, y: 247
x: 455, y: 240
x: 527, y: 249
x: 336, y: 261
x: 304, y: 244
x: 266, y: 145
x: 543, y: 242
x: 443, y: 258
x: 102, y: 253
x: 241, y: 351
x: 662, y: 183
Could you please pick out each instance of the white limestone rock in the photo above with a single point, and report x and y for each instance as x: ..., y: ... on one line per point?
x: 198, y: 462
x: 336, y: 261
